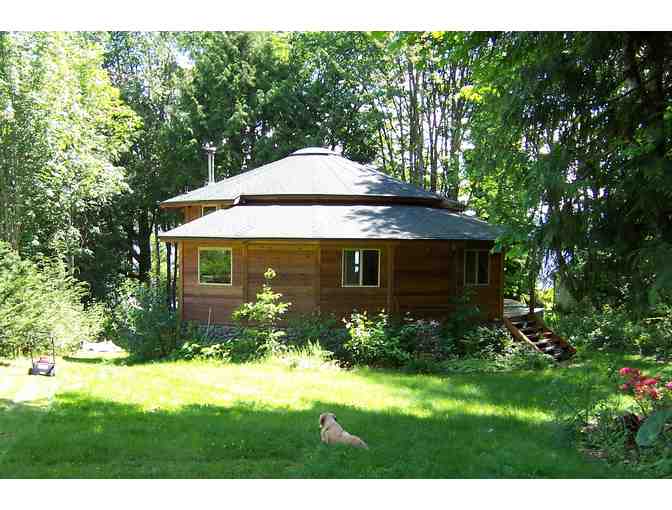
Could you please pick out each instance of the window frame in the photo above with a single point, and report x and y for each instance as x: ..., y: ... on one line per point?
x: 203, y: 207
x: 476, y: 284
x: 361, y: 273
x: 198, y: 264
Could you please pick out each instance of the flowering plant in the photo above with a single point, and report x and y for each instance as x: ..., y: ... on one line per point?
x: 649, y: 392
x: 654, y: 400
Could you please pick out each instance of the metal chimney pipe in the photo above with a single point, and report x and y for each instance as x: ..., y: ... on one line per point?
x: 211, y: 149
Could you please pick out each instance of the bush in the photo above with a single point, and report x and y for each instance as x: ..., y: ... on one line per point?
x: 423, y: 339
x: 39, y: 301
x: 193, y: 350
x: 617, y: 329
x: 481, y: 340
x: 311, y: 356
x: 372, y: 341
x: 635, y: 436
x: 140, y: 321
x: 259, y: 320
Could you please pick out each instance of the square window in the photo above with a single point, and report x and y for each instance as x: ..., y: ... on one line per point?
x: 476, y: 267
x: 214, y: 266
x: 469, y: 268
x: 361, y: 268
x: 483, y: 263
x: 207, y: 209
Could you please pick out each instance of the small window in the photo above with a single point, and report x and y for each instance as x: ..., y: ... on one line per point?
x: 361, y: 268
x: 477, y: 267
x: 214, y: 266
x: 207, y: 209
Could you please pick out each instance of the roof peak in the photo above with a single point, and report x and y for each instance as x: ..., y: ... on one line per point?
x: 314, y: 151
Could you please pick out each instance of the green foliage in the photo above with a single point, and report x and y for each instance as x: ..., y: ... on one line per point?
x: 423, y: 339
x: 40, y: 301
x: 324, y: 329
x: 144, y: 67
x: 259, y: 319
x: 192, y: 350
x: 311, y: 356
x: 653, y: 427
x: 370, y: 341
x: 464, y: 315
x: 62, y: 127
x: 617, y: 329
x: 579, y: 172
x: 141, y: 322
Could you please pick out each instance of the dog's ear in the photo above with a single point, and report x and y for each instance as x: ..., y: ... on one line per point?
x: 322, y: 417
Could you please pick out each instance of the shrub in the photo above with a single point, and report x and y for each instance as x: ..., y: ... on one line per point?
x: 482, y: 339
x: 637, y: 437
x: 518, y: 356
x: 423, y: 339
x: 311, y: 356
x: 141, y: 322
x: 193, y: 350
x: 617, y: 329
x: 40, y: 300
x: 654, y: 400
x: 324, y: 329
x: 259, y: 319
x: 464, y: 316
x: 515, y: 356
x: 371, y: 341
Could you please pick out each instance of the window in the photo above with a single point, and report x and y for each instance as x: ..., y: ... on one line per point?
x: 477, y: 267
x: 361, y: 268
x: 207, y: 209
x: 214, y: 266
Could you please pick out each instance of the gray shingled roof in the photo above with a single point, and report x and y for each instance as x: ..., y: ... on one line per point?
x: 311, y: 171
x: 334, y: 222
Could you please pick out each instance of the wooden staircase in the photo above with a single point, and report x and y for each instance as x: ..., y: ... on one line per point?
x: 531, y: 330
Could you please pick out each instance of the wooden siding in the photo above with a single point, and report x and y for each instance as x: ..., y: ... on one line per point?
x: 339, y: 300
x: 296, y: 272
x: 211, y: 302
x: 195, y: 211
x: 417, y: 277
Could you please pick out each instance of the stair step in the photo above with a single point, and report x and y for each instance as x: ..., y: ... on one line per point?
x: 540, y: 337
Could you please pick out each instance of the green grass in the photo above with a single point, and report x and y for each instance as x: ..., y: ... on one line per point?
x: 102, y: 418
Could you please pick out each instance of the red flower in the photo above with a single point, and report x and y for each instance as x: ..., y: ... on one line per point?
x: 625, y: 371
x: 669, y: 385
x: 651, y: 381
x: 625, y: 387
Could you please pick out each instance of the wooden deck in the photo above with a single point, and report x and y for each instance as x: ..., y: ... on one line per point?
x: 513, y: 308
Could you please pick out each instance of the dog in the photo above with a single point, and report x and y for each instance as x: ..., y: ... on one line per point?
x: 332, y: 432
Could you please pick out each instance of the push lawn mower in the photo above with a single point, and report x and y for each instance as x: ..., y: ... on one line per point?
x: 44, y: 365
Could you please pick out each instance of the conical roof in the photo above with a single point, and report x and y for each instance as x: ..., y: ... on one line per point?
x: 313, y: 173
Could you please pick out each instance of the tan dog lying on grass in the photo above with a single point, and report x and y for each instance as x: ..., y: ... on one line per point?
x: 332, y: 432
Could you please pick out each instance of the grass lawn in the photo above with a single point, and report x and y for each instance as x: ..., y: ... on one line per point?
x: 102, y: 418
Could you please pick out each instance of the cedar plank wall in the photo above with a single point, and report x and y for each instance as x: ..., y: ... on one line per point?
x: 426, y: 275
x: 214, y: 301
x: 334, y: 298
x: 295, y: 269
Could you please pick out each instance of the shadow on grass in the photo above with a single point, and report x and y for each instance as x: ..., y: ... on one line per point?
x: 81, y: 436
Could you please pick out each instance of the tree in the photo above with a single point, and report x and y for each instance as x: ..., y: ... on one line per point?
x: 587, y: 118
x: 62, y: 126
x: 144, y: 66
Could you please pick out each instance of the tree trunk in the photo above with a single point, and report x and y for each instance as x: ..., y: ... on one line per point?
x: 169, y: 281
x: 157, y: 249
x: 144, y: 246
x: 176, y: 270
